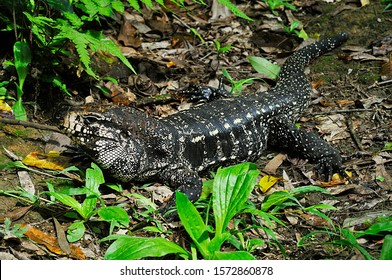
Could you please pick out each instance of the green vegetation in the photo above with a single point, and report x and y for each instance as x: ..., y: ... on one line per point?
x: 388, y: 4
x: 217, y: 222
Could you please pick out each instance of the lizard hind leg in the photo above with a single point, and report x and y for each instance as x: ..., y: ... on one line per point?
x: 285, y: 135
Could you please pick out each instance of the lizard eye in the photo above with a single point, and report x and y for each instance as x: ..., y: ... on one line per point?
x: 92, y: 118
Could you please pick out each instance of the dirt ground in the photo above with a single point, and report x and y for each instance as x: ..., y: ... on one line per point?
x: 351, y: 109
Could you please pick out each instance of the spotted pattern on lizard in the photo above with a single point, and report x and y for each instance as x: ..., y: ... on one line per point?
x: 133, y: 146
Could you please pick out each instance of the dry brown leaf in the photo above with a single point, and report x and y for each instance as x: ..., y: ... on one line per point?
x: 274, y: 163
x: 386, y: 70
x: 15, y: 214
x: 315, y: 221
x: 61, y: 238
x: 51, y: 242
x: 318, y: 83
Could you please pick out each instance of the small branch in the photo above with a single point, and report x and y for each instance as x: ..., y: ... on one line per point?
x: 353, y: 134
x: 31, y: 124
x: 377, y: 84
x: 342, y: 111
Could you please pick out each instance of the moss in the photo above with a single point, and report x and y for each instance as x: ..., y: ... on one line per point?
x: 329, y: 68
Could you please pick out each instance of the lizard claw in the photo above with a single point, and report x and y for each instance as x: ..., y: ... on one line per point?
x: 329, y: 165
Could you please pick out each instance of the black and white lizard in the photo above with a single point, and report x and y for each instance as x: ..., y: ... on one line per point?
x: 133, y: 146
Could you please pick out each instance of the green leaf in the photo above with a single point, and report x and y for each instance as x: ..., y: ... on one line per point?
x: 94, y: 178
x: 133, y: 248
x: 13, y: 164
x: 60, y: 5
x: 217, y: 241
x: 263, y: 66
x: 232, y: 187
x: 307, y: 189
x: 239, y: 255
x: 386, y: 251
x: 388, y: 146
x: 134, y: 4
x: 76, y: 231
x: 118, y: 6
x: 227, y: 75
x: 378, y: 228
x: 193, y: 223
x: 19, y: 110
x: 114, y: 213
x: 69, y: 201
x: 275, y: 198
x: 22, y: 57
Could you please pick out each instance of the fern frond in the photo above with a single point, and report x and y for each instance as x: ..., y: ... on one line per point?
x: 234, y: 9
x: 134, y: 4
x: 41, y: 27
x: 81, y: 41
x: 88, y: 6
x: 148, y: 3
x: 110, y: 47
x: 73, y: 19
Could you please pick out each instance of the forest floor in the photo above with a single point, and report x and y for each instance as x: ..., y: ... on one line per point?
x: 351, y: 109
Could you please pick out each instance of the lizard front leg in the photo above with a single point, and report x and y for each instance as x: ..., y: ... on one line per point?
x: 184, y: 180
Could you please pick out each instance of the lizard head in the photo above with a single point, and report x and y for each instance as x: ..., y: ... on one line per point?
x: 105, y: 142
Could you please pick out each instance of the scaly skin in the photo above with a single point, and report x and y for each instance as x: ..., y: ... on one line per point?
x: 132, y: 146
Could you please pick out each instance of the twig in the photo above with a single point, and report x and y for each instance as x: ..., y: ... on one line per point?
x: 376, y: 84
x: 31, y: 124
x: 342, y: 111
x: 353, y: 134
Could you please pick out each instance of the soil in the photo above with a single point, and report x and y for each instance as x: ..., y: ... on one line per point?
x: 351, y: 109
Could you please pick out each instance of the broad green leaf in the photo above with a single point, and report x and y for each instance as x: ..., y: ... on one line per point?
x: 232, y: 187
x: 94, y: 178
x: 217, y: 241
x: 193, y: 223
x: 114, y: 213
x: 19, y: 110
x: 13, y: 164
x: 238, y: 255
x: 69, y: 201
x: 22, y: 57
x: 88, y: 206
x: 133, y: 248
x: 386, y: 251
x: 263, y: 66
x: 76, y: 231
x: 275, y: 198
x: 378, y: 227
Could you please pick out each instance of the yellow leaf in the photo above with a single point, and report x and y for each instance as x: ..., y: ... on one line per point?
x: 52, y: 160
x: 267, y: 182
x: 4, y: 106
x: 365, y: 2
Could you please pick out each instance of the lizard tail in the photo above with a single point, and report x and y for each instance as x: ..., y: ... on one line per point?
x: 296, y: 63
